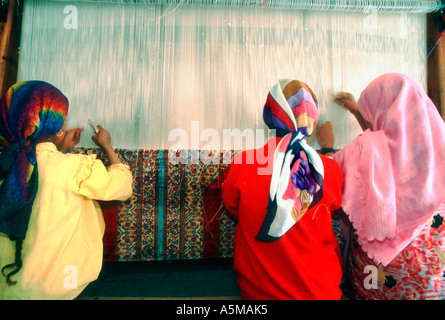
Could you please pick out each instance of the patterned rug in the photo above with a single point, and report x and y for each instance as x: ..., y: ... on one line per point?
x: 176, y: 211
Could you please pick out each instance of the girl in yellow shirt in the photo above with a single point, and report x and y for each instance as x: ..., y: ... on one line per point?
x: 51, y: 227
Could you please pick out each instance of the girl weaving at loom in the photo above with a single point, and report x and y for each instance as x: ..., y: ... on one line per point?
x: 394, y: 191
x: 285, y: 247
x: 50, y: 227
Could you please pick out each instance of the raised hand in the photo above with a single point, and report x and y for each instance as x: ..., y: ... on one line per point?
x: 346, y: 100
x: 103, y: 139
x: 71, y: 138
x: 325, y: 135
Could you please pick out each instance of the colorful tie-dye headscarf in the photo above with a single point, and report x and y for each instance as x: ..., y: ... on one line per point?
x: 297, y: 180
x: 30, y: 112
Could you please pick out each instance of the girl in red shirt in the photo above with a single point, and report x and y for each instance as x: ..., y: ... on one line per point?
x: 283, y: 196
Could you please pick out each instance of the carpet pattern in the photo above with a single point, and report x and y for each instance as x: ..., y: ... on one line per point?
x: 176, y: 211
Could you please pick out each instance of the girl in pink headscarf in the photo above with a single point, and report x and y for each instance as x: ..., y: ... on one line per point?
x: 394, y: 191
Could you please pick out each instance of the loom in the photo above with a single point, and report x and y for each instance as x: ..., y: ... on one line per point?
x: 189, y: 79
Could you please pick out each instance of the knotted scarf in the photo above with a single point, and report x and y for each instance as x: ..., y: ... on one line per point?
x: 297, y: 179
x: 30, y: 112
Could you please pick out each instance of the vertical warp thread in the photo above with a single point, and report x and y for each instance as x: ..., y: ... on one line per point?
x: 160, y: 205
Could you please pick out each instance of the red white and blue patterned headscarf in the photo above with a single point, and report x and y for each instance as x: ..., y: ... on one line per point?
x: 297, y: 180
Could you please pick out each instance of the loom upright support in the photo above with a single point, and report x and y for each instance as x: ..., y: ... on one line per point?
x: 8, y: 47
x: 436, y: 59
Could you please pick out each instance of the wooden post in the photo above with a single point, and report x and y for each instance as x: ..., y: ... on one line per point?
x: 436, y: 61
x: 8, y: 48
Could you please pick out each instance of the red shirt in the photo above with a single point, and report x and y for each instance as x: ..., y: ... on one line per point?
x: 305, y: 263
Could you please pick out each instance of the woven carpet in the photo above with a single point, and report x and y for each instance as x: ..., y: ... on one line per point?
x: 175, y: 213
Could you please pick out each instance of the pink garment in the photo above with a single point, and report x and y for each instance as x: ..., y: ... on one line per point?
x: 394, y: 174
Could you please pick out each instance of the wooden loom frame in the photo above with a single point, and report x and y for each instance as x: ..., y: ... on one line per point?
x: 11, y: 28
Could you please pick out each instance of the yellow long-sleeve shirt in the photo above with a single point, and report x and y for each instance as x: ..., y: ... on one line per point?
x: 62, y: 252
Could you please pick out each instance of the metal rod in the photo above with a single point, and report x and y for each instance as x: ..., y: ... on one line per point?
x: 421, y: 6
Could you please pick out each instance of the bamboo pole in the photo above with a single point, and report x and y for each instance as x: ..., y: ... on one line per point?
x: 8, y: 49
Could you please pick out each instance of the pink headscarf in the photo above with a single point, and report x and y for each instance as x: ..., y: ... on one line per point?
x: 394, y: 174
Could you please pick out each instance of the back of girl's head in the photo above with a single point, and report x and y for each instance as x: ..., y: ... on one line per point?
x: 31, y: 109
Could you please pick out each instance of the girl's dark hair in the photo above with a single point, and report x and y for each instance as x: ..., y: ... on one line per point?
x: 17, y: 263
